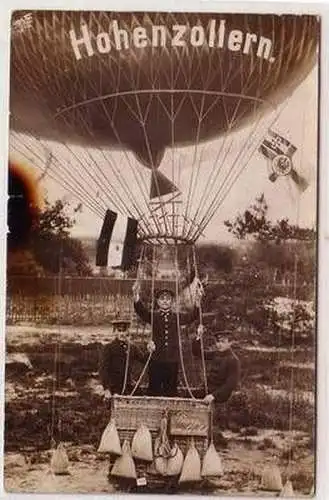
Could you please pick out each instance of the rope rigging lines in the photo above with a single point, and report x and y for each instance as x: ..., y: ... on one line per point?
x: 99, y: 178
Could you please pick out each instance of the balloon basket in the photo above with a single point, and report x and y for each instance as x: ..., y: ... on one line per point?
x: 187, y: 419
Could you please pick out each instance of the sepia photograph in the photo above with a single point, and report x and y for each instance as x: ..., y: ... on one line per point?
x: 161, y: 283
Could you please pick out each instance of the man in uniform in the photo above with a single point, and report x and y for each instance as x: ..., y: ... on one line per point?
x: 223, y: 368
x: 165, y: 344
x: 113, y: 364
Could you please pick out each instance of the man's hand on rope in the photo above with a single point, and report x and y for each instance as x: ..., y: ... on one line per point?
x: 150, y: 346
x: 136, y: 291
x: 200, y: 332
x: 199, y: 292
x: 209, y: 398
x: 107, y: 395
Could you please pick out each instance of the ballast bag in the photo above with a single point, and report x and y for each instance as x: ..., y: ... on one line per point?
x: 160, y: 462
x: 161, y: 465
x: 271, y: 479
x: 287, y: 491
x: 124, y: 466
x: 110, y: 441
x: 212, y: 463
x: 59, y: 461
x: 191, y: 470
x: 141, y: 446
x: 175, y: 461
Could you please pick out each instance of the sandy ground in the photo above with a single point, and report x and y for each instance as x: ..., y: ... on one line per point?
x: 27, y: 466
x: 243, y: 463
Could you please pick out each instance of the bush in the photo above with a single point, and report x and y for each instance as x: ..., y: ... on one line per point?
x: 259, y: 408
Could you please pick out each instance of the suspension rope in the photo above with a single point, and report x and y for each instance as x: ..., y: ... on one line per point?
x: 211, y: 425
x: 250, y: 146
x: 292, y: 352
x: 98, y: 178
x: 203, y: 361
x: 142, y: 374
x: 152, y: 315
x: 74, y: 187
x: 125, y: 378
x: 103, y: 179
x: 130, y: 193
x: 56, y: 366
x: 70, y: 169
x: 178, y: 326
x: 229, y: 180
x: 192, y: 178
x: 293, y: 333
x: 229, y: 120
x: 214, y: 175
x: 67, y: 186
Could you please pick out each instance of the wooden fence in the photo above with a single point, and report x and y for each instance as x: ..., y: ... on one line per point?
x: 97, y: 300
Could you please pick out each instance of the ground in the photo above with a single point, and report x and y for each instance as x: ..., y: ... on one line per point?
x: 255, y: 424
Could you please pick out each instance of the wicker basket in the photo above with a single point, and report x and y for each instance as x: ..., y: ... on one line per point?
x: 188, y: 418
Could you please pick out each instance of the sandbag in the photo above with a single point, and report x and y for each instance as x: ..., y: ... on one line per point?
x: 110, y: 441
x: 287, y: 490
x: 191, y: 470
x: 175, y: 461
x: 60, y: 461
x: 161, y: 465
x: 162, y: 448
x: 271, y: 479
x: 124, y: 466
x: 212, y: 463
x: 141, y: 446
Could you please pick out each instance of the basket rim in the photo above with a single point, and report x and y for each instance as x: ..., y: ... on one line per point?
x: 160, y: 398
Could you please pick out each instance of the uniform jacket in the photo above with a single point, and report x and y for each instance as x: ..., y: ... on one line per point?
x: 223, y: 371
x: 165, y: 330
x: 113, y: 364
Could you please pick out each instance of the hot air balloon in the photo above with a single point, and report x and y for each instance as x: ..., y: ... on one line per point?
x: 82, y: 80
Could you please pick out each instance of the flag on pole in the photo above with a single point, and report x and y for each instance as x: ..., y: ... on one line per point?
x: 274, y: 145
x: 117, y: 241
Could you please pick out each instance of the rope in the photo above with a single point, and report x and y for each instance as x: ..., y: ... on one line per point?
x: 152, y: 314
x: 292, y: 373
x: 246, y: 151
x: 292, y: 352
x: 56, y: 371
x: 211, y: 425
x: 141, y: 375
x: 129, y: 333
x: 178, y: 327
x: 203, y: 361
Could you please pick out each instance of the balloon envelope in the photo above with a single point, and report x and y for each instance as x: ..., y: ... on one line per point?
x: 145, y: 81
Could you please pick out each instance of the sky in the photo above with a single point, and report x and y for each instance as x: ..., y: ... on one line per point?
x: 296, y: 120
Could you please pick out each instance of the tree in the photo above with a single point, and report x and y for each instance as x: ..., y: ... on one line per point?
x: 254, y: 222
x: 280, y: 246
x: 50, y: 247
x: 214, y: 257
x: 22, y: 262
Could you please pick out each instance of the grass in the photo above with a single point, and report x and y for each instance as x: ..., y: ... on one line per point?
x: 83, y: 415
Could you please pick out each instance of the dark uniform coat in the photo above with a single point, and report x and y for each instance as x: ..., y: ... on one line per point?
x: 165, y: 330
x: 223, y: 371
x: 113, y: 364
x: 164, y: 365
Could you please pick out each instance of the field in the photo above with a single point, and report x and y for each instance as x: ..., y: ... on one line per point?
x: 251, y: 430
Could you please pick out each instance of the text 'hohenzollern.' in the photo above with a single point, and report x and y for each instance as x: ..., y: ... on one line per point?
x: 216, y: 35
